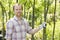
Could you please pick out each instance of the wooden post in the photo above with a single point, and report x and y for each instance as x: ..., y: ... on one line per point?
x: 33, y: 19
x: 54, y: 20
x: 46, y: 7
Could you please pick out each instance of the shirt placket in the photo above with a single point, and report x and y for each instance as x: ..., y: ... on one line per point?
x: 20, y: 29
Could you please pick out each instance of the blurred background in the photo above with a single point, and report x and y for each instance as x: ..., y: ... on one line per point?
x: 36, y: 12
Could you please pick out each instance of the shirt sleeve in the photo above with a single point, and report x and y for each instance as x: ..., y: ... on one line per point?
x: 28, y: 27
x: 9, y: 27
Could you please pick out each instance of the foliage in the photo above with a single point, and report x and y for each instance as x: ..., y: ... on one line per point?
x: 38, y: 15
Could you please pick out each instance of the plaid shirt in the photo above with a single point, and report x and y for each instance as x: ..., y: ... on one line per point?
x: 17, y: 30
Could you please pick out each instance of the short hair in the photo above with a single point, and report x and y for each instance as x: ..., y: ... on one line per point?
x: 18, y: 5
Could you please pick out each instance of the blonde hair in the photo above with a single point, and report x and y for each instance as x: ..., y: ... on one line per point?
x: 17, y: 5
